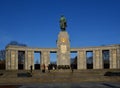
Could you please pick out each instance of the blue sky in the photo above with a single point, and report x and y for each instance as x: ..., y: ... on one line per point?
x: 36, y: 22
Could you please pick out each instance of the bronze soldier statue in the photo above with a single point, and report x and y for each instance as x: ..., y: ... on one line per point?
x: 63, y: 23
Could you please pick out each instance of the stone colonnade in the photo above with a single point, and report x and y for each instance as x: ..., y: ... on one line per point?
x: 12, y: 57
x: 114, y: 59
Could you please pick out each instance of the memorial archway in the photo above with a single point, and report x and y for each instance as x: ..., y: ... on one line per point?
x: 21, y: 60
x: 106, y: 59
x: 37, y: 59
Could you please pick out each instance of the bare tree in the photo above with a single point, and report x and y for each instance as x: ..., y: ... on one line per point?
x: 37, y: 62
x: 16, y: 43
x: 21, y: 57
x: 2, y: 59
x: 90, y: 60
x: 2, y: 55
x: 106, y: 56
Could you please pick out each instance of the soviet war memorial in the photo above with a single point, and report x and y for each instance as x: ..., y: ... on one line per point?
x: 63, y: 54
x: 71, y: 44
x: 64, y: 68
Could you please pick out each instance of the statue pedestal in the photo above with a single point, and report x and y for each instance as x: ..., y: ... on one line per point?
x: 63, y: 53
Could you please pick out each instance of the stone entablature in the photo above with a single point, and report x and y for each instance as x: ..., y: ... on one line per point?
x: 12, y: 56
x: 20, y: 48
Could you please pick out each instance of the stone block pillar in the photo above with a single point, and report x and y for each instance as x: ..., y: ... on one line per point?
x: 26, y: 61
x: 7, y: 59
x: 81, y: 59
x: 45, y: 59
x: 97, y: 59
x: 16, y: 60
x: 29, y: 59
x: 118, y: 58
x: 113, y: 59
x: 63, y: 45
x: 11, y: 59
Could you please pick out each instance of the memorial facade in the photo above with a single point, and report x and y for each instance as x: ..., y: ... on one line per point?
x: 63, y: 51
x: 12, y: 56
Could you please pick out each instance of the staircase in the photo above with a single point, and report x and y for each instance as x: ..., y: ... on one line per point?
x: 59, y: 76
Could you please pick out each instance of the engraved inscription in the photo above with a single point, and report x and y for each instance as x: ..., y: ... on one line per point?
x: 63, y: 48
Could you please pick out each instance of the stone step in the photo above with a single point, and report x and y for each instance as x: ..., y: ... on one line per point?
x: 57, y: 76
x: 59, y: 72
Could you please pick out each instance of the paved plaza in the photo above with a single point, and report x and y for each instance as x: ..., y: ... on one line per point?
x: 65, y: 85
x: 74, y: 85
x: 60, y: 79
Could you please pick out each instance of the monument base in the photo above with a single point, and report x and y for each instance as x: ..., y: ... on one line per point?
x: 63, y: 53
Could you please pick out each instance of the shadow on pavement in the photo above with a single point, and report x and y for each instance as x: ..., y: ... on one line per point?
x: 112, y: 74
x: 1, y: 74
x: 10, y: 86
x: 24, y: 74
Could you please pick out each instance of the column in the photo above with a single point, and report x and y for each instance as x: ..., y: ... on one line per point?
x: 81, y: 60
x: 29, y: 59
x: 45, y: 59
x: 118, y: 58
x: 113, y: 59
x: 13, y: 61
x: 26, y: 61
x: 16, y: 60
x: 32, y: 59
x: 97, y: 59
x: 7, y: 59
x: 42, y: 60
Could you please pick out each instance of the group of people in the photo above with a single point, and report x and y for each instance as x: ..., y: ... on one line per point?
x: 54, y: 67
x: 51, y: 67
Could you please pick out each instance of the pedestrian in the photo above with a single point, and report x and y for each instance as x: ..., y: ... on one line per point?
x: 31, y: 69
x: 43, y: 70
x: 72, y: 67
x: 49, y: 68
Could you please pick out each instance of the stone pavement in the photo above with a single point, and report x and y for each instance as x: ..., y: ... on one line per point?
x: 67, y: 85
x: 60, y: 79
